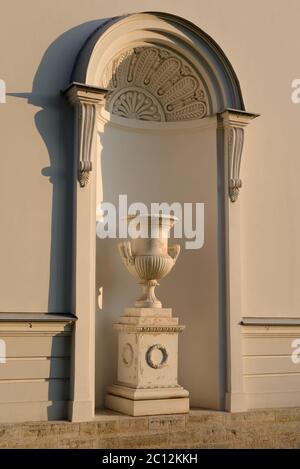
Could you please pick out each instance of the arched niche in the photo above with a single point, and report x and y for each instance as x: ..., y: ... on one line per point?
x: 158, y: 73
x: 118, y: 39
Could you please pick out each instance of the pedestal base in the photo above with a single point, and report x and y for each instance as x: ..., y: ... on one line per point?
x: 148, y: 407
x: 147, y: 365
x: 157, y: 401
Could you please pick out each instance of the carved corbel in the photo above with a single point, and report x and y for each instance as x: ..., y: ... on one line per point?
x: 86, y: 100
x: 235, y: 149
x: 234, y: 123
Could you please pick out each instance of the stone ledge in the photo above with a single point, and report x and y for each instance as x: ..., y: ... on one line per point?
x: 272, y: 428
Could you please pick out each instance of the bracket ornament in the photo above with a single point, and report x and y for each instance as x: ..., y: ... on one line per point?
x: 235, y: 149
x: 85, y: 99
x: 233, y: 123
x: 86, y: 128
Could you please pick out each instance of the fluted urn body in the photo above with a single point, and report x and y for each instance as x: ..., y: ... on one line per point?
x: 148, y: 256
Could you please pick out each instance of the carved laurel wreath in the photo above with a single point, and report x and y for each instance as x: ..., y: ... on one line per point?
x: 164, y: 359
x: 127, y: 354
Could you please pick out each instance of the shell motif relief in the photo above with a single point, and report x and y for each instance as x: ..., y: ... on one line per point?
x: 154, y: 84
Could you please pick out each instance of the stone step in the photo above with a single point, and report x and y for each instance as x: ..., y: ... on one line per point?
x: 199, y: 429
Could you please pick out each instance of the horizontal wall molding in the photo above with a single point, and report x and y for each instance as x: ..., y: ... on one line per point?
x: 35, y: 326
x: 257, y: 321
x: 36, y: 317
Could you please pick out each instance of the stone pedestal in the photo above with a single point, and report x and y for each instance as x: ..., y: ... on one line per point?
x: 147, y: 364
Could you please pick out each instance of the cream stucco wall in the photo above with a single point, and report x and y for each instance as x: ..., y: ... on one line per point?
x: 38, y: 45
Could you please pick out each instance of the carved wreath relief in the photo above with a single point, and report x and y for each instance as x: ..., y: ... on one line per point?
x: 127, y: 354
x: 157, y: 356
x: 154, y: 84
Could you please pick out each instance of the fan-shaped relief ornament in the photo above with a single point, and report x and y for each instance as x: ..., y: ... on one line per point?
x: 154, y: 84
x: 134, y: 104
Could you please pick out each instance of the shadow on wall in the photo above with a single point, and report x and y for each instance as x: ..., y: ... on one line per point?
x: 59, y: 376
x: 54, y: 122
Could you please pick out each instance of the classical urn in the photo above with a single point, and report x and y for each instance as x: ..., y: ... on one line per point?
x: 147, y: 376
x: 148, y: 256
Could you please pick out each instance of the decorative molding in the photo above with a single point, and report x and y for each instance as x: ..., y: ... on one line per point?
x: 270, y: 321
x: 154, y: 84
x: 164, y: 358
x: 86, y: 128
x: 150, y: 329
x: 85, y: 99
x: 44, y: 329
x: 271, y: 331
x: 235, y: 149
x: 234, y: 123
x: 122, y: 389
x: 36, y: 324
x: 155, y: 30
x: 37, y: 317
x: 134, y: 104
x: 127, y: 354
x: 271, y: 335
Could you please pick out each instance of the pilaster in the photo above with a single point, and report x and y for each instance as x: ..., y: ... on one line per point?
x: 86, y: 101
x: 233, y: 124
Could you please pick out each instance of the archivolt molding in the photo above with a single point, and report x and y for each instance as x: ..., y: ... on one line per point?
x: 154, y: 84
x: 153, y: 68
x: 158, y: 53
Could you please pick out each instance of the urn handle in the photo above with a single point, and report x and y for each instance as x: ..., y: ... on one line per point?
x: 174, y: 251
x: 126, y: 253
